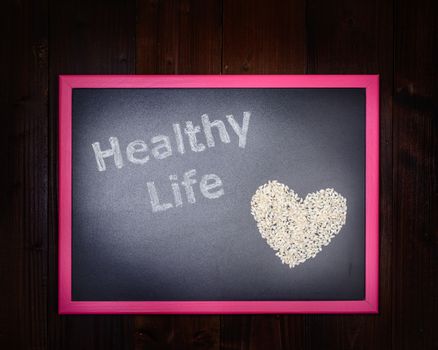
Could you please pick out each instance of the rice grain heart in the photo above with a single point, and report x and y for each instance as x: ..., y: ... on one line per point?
x: 297, y: 229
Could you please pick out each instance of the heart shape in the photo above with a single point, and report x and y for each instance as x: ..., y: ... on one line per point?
x: 297, y: 229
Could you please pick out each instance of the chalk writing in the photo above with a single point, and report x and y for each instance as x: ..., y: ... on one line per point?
x: 196, y: 138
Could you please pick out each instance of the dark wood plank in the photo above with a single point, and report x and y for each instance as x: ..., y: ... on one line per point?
x: 263, y: 39
x: 178, y: 37
x: 346, y: 37
x: 23, y: 184
x: 177, y: 332
x: 86, y: 37
x: 415, y: 175
x: 263, y: 332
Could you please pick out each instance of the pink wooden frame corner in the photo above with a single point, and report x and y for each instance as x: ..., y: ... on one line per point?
x: 368, y: 305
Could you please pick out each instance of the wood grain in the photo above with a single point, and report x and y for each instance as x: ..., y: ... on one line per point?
x: 179, y: 37
x: 415, y: 301
x: 264, y: 39
x: 24, y: 186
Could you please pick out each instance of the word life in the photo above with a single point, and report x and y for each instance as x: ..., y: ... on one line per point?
x: 194, y: 138
x: 210, y: 186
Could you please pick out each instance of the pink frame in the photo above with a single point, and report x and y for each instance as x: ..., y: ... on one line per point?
x: 368, y: 305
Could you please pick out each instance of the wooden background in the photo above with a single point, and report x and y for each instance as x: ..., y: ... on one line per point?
x: 44, y: 38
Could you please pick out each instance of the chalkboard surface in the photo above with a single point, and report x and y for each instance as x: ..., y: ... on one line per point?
x: 134, y: 240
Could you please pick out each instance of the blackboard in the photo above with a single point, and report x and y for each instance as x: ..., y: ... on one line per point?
x: 162, y: 180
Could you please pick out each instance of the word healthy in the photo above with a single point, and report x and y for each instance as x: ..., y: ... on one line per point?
x: 160, y: 147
